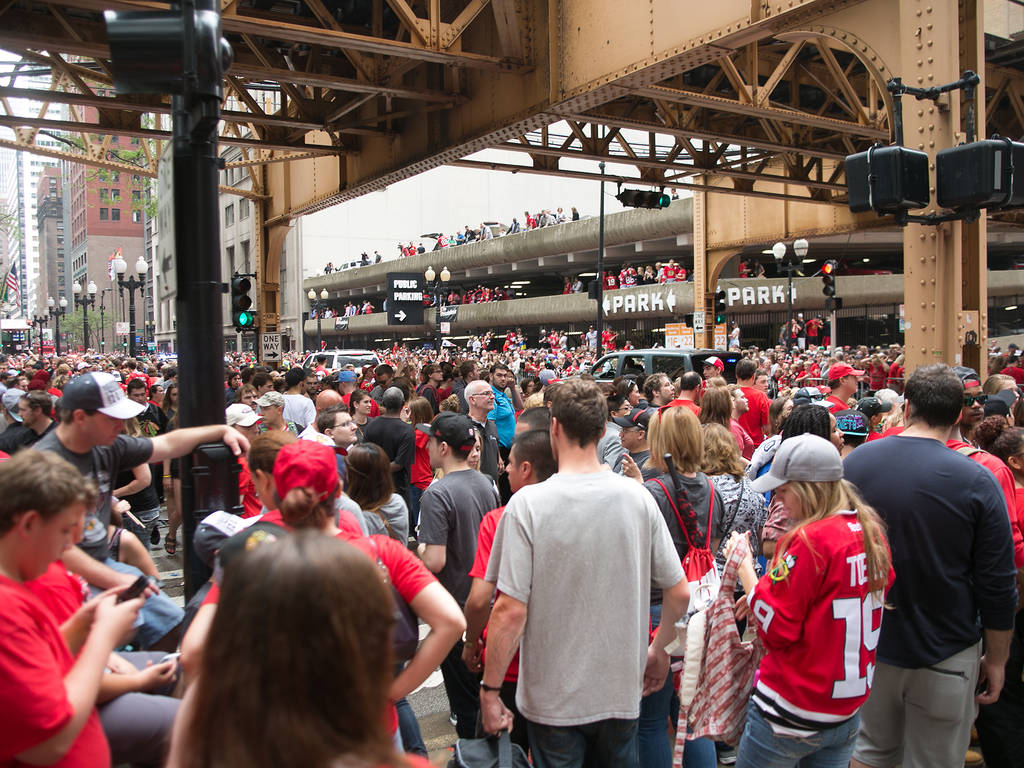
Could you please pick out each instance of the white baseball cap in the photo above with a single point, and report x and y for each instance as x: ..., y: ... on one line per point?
x: 807, y: 458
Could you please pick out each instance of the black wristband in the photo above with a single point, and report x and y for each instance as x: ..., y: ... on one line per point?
x: 490, y: 687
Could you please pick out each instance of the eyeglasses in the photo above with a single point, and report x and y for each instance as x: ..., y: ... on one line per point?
x: 483, y: 394
x: 970, y: 400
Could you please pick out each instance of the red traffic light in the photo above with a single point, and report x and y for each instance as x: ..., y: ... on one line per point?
x: 828, y: 268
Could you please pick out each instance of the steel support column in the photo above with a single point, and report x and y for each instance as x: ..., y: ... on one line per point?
x: 944, y: 267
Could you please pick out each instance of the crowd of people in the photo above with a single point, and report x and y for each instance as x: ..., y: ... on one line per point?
x: 583, y: 556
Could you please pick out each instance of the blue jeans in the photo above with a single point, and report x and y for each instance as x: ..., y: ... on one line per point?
x: 604, y: 744
x: 655, y: 747
x: 159, y: 614
x: 415, y: 494
x: 761, y: 748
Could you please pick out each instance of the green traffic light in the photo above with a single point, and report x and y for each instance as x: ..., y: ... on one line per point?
x: 664, y: 200
x: 244, y: 319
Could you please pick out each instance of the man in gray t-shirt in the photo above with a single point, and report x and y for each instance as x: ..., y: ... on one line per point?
x: 450, y: 513
x: 574, y: 559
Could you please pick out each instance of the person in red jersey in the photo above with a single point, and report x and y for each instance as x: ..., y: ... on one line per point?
x: 755, y: 419
x: 49, y: 675
x: 818, y: 611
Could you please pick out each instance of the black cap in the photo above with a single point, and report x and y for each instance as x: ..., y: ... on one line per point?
x: 453, y: 428
x: 638, y: 417
x: 872, y: 406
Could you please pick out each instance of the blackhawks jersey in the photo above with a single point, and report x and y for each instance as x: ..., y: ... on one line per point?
x: 820, y: 627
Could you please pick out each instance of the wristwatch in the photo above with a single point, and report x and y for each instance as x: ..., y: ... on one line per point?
x: 490, y: 687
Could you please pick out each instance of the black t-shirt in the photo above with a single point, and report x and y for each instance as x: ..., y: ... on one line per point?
x: 398, y: 440
x: 101, y: 464
x: 16, y: 437
x: 488, y: 447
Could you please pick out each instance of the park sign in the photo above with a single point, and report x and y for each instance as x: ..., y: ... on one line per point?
x: 405, y: 298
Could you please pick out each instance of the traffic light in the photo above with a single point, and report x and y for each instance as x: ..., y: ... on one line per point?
x: 887, y: 180
x: 719, y: 306
x: 981, y: 174
x: 828, y: 278
x: 241, y: 302
x: 168, y: 51
x: 642, y: 198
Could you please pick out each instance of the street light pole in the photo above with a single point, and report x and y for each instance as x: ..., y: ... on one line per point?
x: 599, y: 330
x: 132, y: 284
x: 103, y: 322
x: 779, y: 251
x: 56, y: 312
x: 318, y: 306
x: 40, y: 321
x: 85, y: 302
x: 437, y: 283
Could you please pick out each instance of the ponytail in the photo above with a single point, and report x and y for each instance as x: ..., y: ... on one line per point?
x: 300, y: 508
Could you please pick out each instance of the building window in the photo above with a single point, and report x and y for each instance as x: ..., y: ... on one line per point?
x: 136, y: 217
x: 136, y: 196
x: 104, y: 214
x: 115, y: 214
x: 243, y: 209
x: 245, y: 256
x: 229, y: 216
x: 104, y: 194
x: 115, y: 176
x: 230, y: 250
x: 115, y: 195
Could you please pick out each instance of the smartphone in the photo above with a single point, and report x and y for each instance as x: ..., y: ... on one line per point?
x: 135, y: 589
x: 170, y: 657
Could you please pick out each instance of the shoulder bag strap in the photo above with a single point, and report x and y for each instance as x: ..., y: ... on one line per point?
x: 387, y: 525
x: 679, y: 517
x: 711, y: 509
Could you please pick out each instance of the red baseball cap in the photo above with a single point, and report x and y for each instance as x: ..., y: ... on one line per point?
x: 839, y: 370
x: 305, y: 464
x: 714, y: 361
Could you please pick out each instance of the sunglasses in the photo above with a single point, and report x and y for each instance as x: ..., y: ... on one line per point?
x: 970, y: 400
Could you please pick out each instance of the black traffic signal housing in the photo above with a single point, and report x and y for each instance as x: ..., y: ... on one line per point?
x: 242, y: 316
x: 980, y: 175
x: 179, y: 52
x: 887, y: 180
x: 642, y: 198
x: 828, y: 278
x: 719, y: 306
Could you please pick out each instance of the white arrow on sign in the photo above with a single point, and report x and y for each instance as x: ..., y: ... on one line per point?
x: 400, y: 315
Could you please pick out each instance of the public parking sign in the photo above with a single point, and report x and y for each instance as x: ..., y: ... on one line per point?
x: 405, y: 298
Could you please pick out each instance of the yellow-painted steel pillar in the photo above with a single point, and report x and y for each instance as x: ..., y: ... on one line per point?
x: 944, y: 266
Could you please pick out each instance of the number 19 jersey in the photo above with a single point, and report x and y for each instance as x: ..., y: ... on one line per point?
x: 820, y: 626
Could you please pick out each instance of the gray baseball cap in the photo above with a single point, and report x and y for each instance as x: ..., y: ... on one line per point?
x: 807, y: 458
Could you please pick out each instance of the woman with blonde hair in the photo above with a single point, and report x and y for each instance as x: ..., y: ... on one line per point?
x: 745, y: 510
x: 693, y: 511
x: 818, y: 612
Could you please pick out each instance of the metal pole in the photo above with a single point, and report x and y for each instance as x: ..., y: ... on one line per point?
x: 319, y: 314
x: 131, y: 317
x: 200, y: 340
x: 437, y: 315
x: 599, y: 328
x: 103, y: 324
x: 56, y: 332
x: 789, y: 301
x: 832, y: 328
x: 85, y: 325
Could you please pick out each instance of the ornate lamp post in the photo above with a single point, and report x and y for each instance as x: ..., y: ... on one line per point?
x: 318, y: 307
x: 437, y: 283
x: 784, y: 261
x: 39, y: 321
x: 57, y: 311
x: 89, y: 300
x: 132, y: 284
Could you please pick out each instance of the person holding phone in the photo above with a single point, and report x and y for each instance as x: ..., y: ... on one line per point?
x: 50, y: 675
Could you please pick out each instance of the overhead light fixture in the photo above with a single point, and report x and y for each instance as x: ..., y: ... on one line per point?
x: 808, y: 261
x: 865, y: 260
x: 587, y: 274
x: 1010, y: 309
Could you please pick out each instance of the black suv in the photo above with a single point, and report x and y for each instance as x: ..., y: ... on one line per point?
x: 640, y: 363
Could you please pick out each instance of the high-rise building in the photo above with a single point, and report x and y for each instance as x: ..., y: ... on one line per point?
x: 52, y: 282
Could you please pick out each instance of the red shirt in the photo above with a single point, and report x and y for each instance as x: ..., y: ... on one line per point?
x: 484, y: 543
x: 34, y: 705
x: 421, y: 473
x: 684, y: 402
x: 251, y: 504
x: 1015, y: 372
x: 810, y: 611
x: 374, y: 408
x: 836, y: 404
x: 757, y: 416
x: 746, y: 445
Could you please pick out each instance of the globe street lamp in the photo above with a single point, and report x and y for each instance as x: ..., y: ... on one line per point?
x: 132, y: 284
x: 39, y: 321
x: 436, y: 283
x: 57, y: 311
x: 789, y: 263
x: 85, y: 302
x: 318, y: 307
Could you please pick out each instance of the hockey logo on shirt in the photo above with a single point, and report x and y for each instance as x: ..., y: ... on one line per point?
x: 782, y: 567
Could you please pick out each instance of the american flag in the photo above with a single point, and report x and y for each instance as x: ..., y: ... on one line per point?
x: 11, y: 292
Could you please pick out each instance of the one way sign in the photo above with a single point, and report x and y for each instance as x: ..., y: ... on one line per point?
x: 405, y: 298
